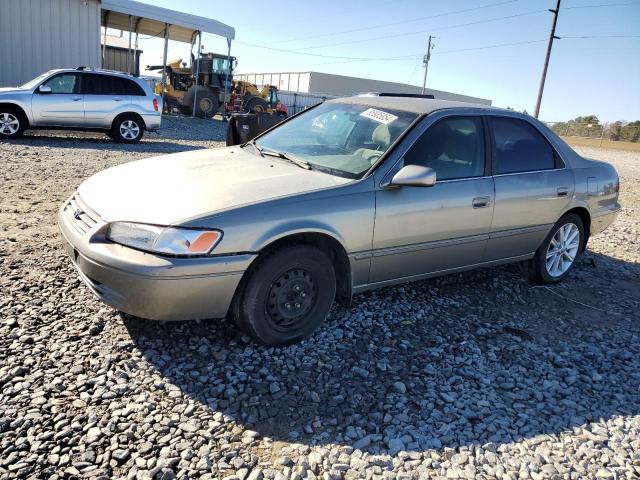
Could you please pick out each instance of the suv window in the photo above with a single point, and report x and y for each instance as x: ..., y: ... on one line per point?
x: 520, y: 147
x: 125, y: 86
x: 97, y: 84
x: 63, y: 83
x: 453, y: 147
x: 94, y: 84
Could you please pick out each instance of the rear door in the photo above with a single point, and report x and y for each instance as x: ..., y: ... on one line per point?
x: 532, y: 187
x: 104, y: 97
x: 420, y: 230
x: 63, y: 106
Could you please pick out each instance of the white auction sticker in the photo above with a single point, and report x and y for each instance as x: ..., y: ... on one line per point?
x: 379, y: 116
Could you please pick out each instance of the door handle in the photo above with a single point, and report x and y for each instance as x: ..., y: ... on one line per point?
x: 76, y: 99
x: 481, y: 202
x: 117, y: 99
x: 563, y: 191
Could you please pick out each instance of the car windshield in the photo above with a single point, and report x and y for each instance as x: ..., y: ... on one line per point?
x: 33, y: 82
x: 340, y: 138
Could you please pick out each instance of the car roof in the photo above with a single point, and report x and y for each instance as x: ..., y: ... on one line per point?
x: 409, y: 104
x: 96, y: 70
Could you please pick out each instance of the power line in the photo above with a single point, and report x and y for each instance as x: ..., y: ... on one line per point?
x: 416, y: 32
x: 381, y: 25
x: 416, y: 56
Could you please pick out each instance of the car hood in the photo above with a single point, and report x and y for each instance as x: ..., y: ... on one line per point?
x: 173, y: 188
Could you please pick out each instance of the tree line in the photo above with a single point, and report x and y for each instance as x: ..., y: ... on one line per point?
x: 590, y: 126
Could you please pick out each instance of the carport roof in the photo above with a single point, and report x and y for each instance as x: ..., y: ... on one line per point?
x: 150, y: 20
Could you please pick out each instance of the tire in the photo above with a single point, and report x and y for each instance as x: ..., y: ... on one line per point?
x: 547, y: 267
x: 207, y: 103
x: 127, y: 128
x: 12, y: 122
x: 256, y: 105
x: 287, y: 295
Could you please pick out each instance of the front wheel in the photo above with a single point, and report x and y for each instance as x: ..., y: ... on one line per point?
x: 12, y: 123
x: 287, y: 296
x: 559, y: 251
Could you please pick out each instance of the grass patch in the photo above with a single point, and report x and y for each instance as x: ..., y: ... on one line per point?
x: 604, y: 143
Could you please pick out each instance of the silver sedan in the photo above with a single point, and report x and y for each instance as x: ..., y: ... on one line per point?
x: 354, y: 194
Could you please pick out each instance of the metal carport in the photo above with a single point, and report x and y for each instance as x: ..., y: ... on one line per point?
x: 136, y: 17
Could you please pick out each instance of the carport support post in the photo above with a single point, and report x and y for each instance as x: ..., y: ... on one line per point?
x: 104, y: 42
x: 226, y: 78
x: 129, y: 49
x: 163, y: 82
x: 195, y: 91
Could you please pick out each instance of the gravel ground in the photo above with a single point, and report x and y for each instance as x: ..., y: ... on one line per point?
x: 479, y: 375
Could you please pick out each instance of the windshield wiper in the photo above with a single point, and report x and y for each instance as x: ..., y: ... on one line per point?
x: 283, y: 155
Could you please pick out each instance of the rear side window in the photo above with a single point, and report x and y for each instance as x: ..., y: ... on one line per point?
x: 453, y: 147
x: 520, y: 147
x: 125, y: 86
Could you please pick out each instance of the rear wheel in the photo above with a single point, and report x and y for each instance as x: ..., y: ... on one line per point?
x: 287, y: 296
x: 12, y: 123
x: 127, y: 129
x: 559, y: 251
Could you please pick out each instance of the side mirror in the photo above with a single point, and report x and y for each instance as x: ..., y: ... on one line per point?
x: 44, y: 89
x: 414, y: 176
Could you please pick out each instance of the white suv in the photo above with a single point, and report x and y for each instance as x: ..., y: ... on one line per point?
x: 118, y: 104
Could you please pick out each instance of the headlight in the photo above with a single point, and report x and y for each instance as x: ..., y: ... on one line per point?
x: 168, y: 240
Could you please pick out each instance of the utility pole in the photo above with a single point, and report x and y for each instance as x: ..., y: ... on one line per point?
x: 552, y: 36
x: 425, y: 60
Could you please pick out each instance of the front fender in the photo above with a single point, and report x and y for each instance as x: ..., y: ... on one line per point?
x: 299, y: 226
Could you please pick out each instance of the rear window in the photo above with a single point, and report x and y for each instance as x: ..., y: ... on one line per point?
x: 520, y: 147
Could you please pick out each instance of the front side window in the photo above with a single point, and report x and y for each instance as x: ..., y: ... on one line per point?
x: 453, y: 147
x: 63, y: 83
x: 340, y: 138
x: 519, y: 147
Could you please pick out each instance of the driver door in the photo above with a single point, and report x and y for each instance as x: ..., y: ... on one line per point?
x: 63, y: 106
x: 422, y: 230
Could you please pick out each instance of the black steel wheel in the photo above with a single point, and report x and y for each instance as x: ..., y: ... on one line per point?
x: 287, y: 295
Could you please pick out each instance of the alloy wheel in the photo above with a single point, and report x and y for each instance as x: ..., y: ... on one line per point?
x: 562, y: 249
x: 129, y: 130
x: 9, y: 123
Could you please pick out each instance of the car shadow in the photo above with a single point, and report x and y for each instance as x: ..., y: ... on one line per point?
x: 475, y: 358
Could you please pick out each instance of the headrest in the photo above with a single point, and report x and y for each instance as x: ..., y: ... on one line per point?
x: 381, y: 136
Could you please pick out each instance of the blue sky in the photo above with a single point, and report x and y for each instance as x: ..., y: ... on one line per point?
x: 586, y: 75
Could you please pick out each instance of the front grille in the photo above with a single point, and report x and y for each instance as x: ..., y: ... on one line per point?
x: 81, y: 217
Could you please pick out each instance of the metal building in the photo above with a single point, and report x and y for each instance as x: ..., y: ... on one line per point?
x: 38, y: 35
x: 118, y: 55
x: 330, y: 85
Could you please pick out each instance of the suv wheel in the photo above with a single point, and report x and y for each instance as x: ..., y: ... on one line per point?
x: 559, y: 251
x: 287, y: 296
x: 12, y: 123
x: 128, y: 129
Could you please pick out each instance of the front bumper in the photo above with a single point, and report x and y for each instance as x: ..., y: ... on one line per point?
x: 148, y: 285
